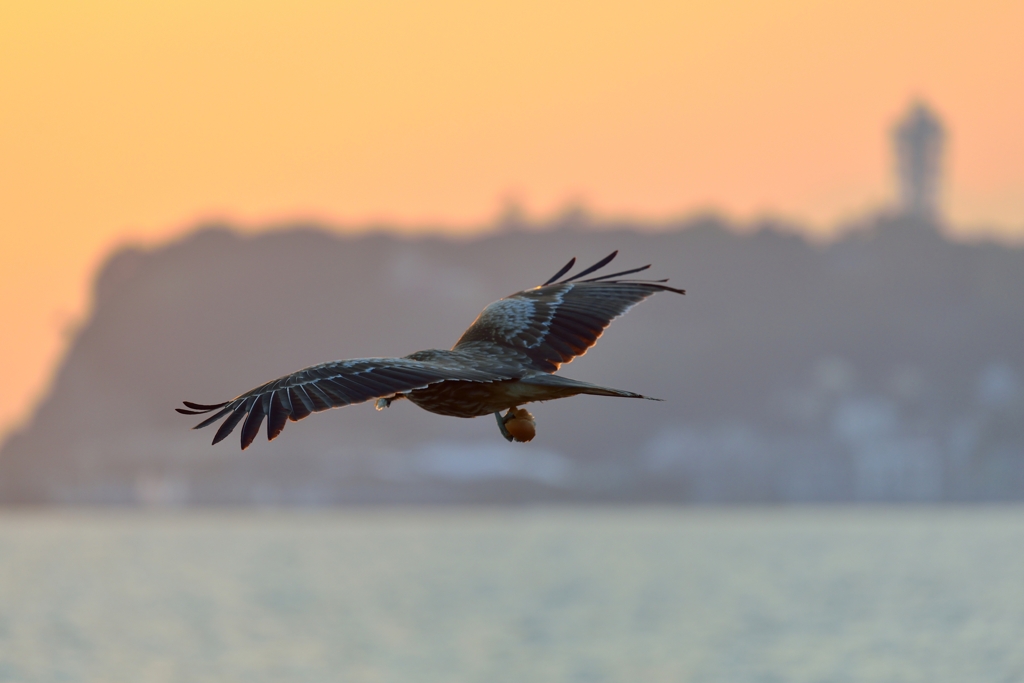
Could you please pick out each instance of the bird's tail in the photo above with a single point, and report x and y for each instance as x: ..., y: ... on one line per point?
x: 573, y: 387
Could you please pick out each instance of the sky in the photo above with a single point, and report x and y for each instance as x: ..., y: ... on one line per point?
x: 131, y: 122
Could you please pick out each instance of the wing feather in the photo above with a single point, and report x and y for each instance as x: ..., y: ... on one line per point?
x: 202, y: 407
x: 597, y: 266
x: 278, y: 415
x: 325, y: 386
x: 565, y: 269
x: 349, y: 387
x: 302, y: 407
x: 252, y: 423
x: 558, y: 321
x: 336, y: 391
x: 229, y: 424
x: 216, y: 416
x: 321, y: 401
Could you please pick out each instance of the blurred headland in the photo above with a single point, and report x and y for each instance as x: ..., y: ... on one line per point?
x: 886, y: 365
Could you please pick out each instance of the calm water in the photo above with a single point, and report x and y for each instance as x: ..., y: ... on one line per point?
x: 531, y: 595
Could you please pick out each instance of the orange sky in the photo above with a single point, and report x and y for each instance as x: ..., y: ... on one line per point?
x: 131, y: 120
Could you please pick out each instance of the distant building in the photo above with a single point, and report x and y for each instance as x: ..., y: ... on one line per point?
x: 918, y: 141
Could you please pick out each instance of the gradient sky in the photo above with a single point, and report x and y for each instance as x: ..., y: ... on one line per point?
x: 130, y: 121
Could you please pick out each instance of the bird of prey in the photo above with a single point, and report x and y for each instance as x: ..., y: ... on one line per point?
x: 504, y: 360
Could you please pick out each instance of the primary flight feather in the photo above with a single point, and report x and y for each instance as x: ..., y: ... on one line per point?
x: 504, y: 360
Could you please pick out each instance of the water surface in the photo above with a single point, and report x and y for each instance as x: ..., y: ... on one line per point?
x: 794, y: 595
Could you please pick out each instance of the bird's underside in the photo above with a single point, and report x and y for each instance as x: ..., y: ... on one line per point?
x: 503, y: 361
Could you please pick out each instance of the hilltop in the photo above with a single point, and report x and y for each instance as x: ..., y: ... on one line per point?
x: 884, y: 366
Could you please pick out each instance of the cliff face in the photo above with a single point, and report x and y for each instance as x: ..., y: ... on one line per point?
x: 885, y: 366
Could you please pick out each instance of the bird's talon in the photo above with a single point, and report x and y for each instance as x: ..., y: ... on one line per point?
x: 517, y: 425
x: 501, y: 425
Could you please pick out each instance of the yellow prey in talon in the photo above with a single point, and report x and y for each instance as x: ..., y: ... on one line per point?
x: 517, y: 425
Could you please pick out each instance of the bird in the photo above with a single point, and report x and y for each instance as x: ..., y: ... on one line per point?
x: 506, y: 359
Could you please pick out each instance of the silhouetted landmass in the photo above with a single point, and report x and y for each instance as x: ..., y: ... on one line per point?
x: 884, y: 366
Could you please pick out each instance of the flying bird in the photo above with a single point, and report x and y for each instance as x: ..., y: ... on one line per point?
x: 504, y: 360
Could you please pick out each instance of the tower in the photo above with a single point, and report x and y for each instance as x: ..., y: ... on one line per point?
x: 918, y: 141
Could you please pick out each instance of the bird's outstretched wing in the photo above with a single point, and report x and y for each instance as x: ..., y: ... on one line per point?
x: 561, y: 319
x: 329, y: 385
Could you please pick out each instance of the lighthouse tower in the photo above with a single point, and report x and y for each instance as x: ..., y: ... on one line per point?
x: 918, y: 141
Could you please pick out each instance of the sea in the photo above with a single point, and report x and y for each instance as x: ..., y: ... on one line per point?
x: 730, y: 595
